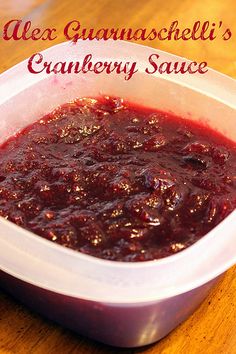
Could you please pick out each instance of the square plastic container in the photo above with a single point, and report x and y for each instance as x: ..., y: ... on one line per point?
x: 122, y: 304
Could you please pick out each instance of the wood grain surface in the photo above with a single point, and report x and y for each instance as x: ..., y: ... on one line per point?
x: 212, y: 328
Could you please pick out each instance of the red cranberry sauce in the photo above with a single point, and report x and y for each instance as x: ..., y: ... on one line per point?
x: 117, y: 181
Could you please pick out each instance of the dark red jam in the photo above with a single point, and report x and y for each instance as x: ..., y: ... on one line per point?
x: 117, y: 181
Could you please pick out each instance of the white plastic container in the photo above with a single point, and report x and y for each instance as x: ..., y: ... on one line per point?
x: 122, y: 304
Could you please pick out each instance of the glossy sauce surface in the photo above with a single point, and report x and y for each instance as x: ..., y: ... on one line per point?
x: 117, y: 181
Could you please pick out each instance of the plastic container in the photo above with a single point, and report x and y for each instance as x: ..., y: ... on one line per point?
x: 122, y: 304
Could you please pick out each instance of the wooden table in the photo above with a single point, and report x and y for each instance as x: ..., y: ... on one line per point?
x: 211, y: 329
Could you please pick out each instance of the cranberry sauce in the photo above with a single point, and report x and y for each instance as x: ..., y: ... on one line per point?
x: 117, y: 181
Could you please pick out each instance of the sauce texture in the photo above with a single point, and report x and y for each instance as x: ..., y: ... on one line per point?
x: 117, y: 181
